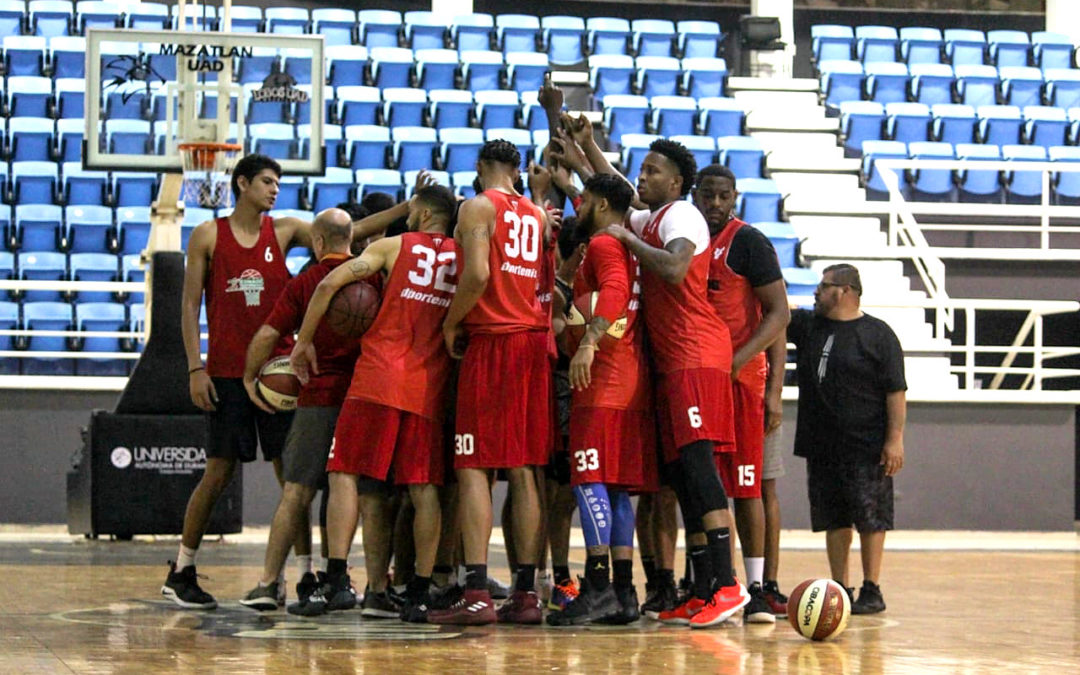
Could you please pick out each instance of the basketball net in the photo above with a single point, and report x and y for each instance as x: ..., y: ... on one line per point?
x: 207, y: 172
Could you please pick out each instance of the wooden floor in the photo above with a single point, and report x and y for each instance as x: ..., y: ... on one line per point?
x: 93, y: 607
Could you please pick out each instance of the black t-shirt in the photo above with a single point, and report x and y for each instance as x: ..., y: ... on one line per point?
x: 752, y: 256
x: 845, y: 369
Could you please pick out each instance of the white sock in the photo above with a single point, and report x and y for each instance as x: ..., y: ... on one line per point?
x: 755, y: 570
x: 281, y: 575
x: 186, y: 557
x: 303, y: 564
x: 319, y: 562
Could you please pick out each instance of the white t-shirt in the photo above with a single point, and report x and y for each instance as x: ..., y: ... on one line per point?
x: 681, y: 221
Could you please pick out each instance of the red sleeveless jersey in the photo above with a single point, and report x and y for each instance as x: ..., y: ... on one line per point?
x: 684, y: 329
x: 619, y: 370
x: 516, y: 258
x: 403, y: 360
x: 733, y: 298
x: 243, y: 285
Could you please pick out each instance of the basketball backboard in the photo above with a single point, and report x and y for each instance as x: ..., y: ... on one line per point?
x: 147, y: 91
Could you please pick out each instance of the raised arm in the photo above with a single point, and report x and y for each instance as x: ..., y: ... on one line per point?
x: 476, y: 218
x: 200, y: 385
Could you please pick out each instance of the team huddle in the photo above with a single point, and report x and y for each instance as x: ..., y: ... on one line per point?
x: 635, y: 349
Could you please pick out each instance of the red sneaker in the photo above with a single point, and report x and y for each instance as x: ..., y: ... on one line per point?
x: 521, y: 607
x: 681, y: 615
x: 473, y: 609
x: 776, y: 600
x: 724, y: 603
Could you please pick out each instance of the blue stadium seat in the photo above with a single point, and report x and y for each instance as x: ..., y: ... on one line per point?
x: 295, y: 263
x: 759, y: 200
x: 462, y: 181
x: 133, y: 228
x: 257, y: 112
x: 522, y: 138
x: 90, y: 230
x: 1062, y: 87
x: 367, y: 146
x: 330, y: 190
x: 346, y: 65
x: 12, y: 13
x: 131, y: 269
x: 30, y: 138
x: 1045, y: 126
x: 1074, y: 129
x: 258, y: 66
x: 481, y: 70
x: 953, y: 123
x: 127, y: 101
x: 131, y: 189
x: 607, y: 35
x: 436, y: 68
x: 721, y: 117
x: 378, y: 27
x: 1023, y: 187
x: 404, y: 107
x: 832, y: 43
x: 137, y: 319
x: 29, y: 96
x: 516, y: 32
x: 460, y: 148
x: 386, y: 181
x: 886, y: 82
x: 41, y: 266
x: 336, y: 25
x: 562, y: 37
x: 357, y: 105
x: 657, y: 75
x: 702, y: 147
x: 302, y: 112
x: 652, y: 37
x: 290, y: 190
x: 634, y: 149
x: 978, y: 185
x: 42, y: 316
x: 840, y: 81
x: 287, y: 20
x: 976, y: 85
x: 159, y: 102
x: 704, y: 76
x: 49, y: 18
x: 533, y: 115
x: 69, y: 139
x: 70, y: 95
x: 920, y: 45
x: 860, y: 121
x: 625, y: 114
x: 391, y: 67
x: 964, y: 46
x: 409, y: 180
x: 7, y: 231
x: 1066, y: 184
x: 783, y: 238
x: 1008, y: 47
x: 424, y: 30
x: 871, y: 152
x: 297, y: 63
x: 907, y: 122
x: 38, y: 227
x: 414, y: 147
x: 94, y: 267
x: 497, y: 108
x: 472, y: 32
x: 525, y: 70
x: 127, y: 136
x: 876, y: 43
x: 1021, y: 86
x: 204, y: 18
x: 273, y: 140
x: 999, y: 124
x: 34, y: 182
x: 800, y: 281
x: 245, y: 19
x: 9, y: 320
x: 333, y: 141
x: 744, y: 155
x: 24, y: 55
x: 1051, y: 50
x: 451, y: 108
x: 673, y: 115
x: 82, y: 187
x: 67, y: 56
x: 102, y: 317
x: 931, y: 184
x: 146, y: 16
x: 96, y: 14
x: 698, y: 39
x: 610, y: 74
x: 932, y: 83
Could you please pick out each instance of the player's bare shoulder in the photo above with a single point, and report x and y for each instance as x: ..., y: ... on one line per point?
x: 203, y: 240
x: 476, y: 216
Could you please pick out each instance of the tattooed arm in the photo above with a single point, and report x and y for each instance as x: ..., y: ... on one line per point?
x: 476, y: 218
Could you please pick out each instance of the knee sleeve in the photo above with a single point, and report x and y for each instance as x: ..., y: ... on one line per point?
x: 702, y: 482
x: 622, y: 519
x: 595, y: 511
x: 691, y: 510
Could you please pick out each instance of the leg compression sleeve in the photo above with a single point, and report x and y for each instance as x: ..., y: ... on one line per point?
x: 595, y: 511
x: 622, y: 514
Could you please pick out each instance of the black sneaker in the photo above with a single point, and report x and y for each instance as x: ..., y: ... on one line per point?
x: 663, y: 598
x: 870, y: 600
x: 379, y: 605
x: 182, y: 587
x: 628, y: 603
x: 262, y: 598
x: 307, y: 585
x: 590, y: 606
x: 776, y: 600
x: 757, y: 610
x: 415, y: 611
x: 445, y: 597
x: 334, y: 596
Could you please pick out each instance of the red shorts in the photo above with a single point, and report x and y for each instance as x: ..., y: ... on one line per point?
x: 609, y: 446
x: 370, y: 439
x: 504, y: 402
x: 695, y: 405
x: 740, y: 471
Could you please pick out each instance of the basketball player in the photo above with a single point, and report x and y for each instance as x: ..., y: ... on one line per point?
x: 392, y: 417
x: 771, y: 470
x: 747, y: 289
x: 239, y: 262
x: 609, y: 412
x: 504, y: 388
x: 312, y: 430
x: 692, y: 356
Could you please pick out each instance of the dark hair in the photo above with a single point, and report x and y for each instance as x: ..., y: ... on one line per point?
x: 716, y: 171
x: 847, y: 275
x: 478, y: 187
x: 356, y: 211
x: 500, y: 151
x: 613, y: 188
x: 439, y: 199
x: 249, y: 167
x: 375, y: 202
x: 568, y: 236
x: 683, y: 158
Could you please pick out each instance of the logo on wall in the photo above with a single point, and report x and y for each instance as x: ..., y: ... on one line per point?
x: 120, y: 457
x: 279, y: 87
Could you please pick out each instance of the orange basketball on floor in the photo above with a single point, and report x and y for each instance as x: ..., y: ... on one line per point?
x: 278, y: 384
x: 818, y: 609
x: 352, y: 309
x: 580, y: 314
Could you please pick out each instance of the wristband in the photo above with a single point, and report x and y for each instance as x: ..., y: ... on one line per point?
x: 195, y: 370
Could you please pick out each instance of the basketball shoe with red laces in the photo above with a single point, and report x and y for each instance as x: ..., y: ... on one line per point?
x: 681, y: 615
x: 521, y: 607
x: 474, y: 608
x: 721, y: 606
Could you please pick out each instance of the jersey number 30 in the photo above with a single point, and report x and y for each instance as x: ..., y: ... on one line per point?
x: 524, y: 237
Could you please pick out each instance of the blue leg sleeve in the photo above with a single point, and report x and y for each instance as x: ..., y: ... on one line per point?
x: 622, y: 516
x: 595, y: 512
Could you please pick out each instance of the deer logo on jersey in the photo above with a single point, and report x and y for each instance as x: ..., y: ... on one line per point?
x: 251, y: 283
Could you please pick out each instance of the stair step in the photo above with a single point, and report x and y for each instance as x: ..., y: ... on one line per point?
x: 778, y: 100
x: 836, y: 185
x: 773, y: 84
x: 809, y: 142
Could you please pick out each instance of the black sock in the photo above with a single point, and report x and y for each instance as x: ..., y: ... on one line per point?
x: 720, y: 553
x: 526, y: 578
x: 336, y: 567
x: 665, y: 577
x: 702, y: 570
x: 688, y: 567
x: 443, y: 569
x: 624, y: 573
x: 562, y: 574
x: 417, y: 588
x: 649, y: 563
x: 597, y: 571
x: 476, y: 577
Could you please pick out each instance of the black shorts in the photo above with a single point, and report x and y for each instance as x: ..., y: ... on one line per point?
x: 849, y: 493
x: 238, y: 427
x: 307, y: 446
x: 558, y: 467
x: 563, y: 394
